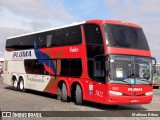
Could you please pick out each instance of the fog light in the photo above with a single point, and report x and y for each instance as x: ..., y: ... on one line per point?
x: 148, y: 93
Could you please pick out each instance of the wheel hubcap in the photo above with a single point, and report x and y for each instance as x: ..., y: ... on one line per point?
x: 15, y: 83
x: 21, y: 85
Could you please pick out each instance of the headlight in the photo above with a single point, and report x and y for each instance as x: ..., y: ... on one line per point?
x: 148, y: 93
x: 115, y: 93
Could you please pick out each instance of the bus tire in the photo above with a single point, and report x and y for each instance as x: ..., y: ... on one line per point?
x: 15, y: 84
x: 59, y: 93
x: 64, y: 93
x: 21, y: 85
x: 78, y: 95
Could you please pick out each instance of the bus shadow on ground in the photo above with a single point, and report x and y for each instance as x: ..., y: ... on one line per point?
x: 86, y: 103
x: 38, y: 93
x: 113, y: 107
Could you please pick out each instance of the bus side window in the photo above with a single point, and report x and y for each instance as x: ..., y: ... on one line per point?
x: 49, y: 39
x: 95, y: 46
x: 65, y: 63
x: 58, y: 37
x: 74, y: 64
x: 99, y: 69
x: 42, y: 42
x: 73, y: 35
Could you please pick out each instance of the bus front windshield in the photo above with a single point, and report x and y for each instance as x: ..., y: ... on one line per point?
x: 125, y: 37
x: 130, y: 69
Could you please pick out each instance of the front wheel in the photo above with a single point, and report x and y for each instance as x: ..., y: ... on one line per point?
x: 78, y: 95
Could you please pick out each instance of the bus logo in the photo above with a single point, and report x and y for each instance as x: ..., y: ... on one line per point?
x: 73, y: 49
x: 134, y: 89
x: 22, y: 54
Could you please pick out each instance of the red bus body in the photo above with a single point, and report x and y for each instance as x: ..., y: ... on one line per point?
x: 100, y: 91
x: 93, y: 90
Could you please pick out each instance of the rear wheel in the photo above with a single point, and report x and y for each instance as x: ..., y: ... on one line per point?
x: 21, y: 85
x: 15, y: 84
x: 64, y: 93
x: 78, y: 95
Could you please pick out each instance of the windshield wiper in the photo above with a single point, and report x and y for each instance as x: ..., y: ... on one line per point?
x: 122, y: 81
x: 145, y: 81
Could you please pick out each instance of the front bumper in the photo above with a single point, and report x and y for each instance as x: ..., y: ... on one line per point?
x: 114, y: 100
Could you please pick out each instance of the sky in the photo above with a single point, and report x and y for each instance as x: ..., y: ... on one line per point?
x: 24, y: 16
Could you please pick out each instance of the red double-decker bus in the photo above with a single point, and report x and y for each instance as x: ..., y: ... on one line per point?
x: 103, y: 61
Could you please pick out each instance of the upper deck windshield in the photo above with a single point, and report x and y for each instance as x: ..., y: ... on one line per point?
x: 125, y: 37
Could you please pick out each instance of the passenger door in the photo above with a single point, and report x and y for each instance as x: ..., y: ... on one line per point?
x: 95, y: 47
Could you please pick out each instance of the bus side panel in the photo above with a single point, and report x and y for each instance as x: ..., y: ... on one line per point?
x: 12, y: 68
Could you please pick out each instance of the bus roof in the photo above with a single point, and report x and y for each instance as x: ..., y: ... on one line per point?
x: 119, y: 22
x: 73, y: 24
x: 78, y: 23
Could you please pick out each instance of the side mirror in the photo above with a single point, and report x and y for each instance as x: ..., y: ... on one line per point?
x: 155, y: 62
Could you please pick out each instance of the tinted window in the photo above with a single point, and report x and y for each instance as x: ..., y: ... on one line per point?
x: 40, y: 40
x: 34, y: 67
x: 49, y: 39
x: 73, y: 35
x: 125, y: 36
x: 19, y: 43
x: 95, y: 46
x: 99, y: 69
x: 28, y: 66
x: 9, y: 45
x: 27, y: 42
x: 69, y: 67
x: 14, y: 44
x: 93, y: 34
x: 75, y: 68
x: 58, y: 37
x: 65, y: 63
x: 67, y: 36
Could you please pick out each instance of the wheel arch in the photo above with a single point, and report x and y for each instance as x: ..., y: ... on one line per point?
x: 14, y: 77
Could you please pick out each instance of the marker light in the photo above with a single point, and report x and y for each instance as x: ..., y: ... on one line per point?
x: 148, y: 93
x: 115, y: 93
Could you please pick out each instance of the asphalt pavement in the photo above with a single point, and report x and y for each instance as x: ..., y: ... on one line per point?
x: 11, y: 100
